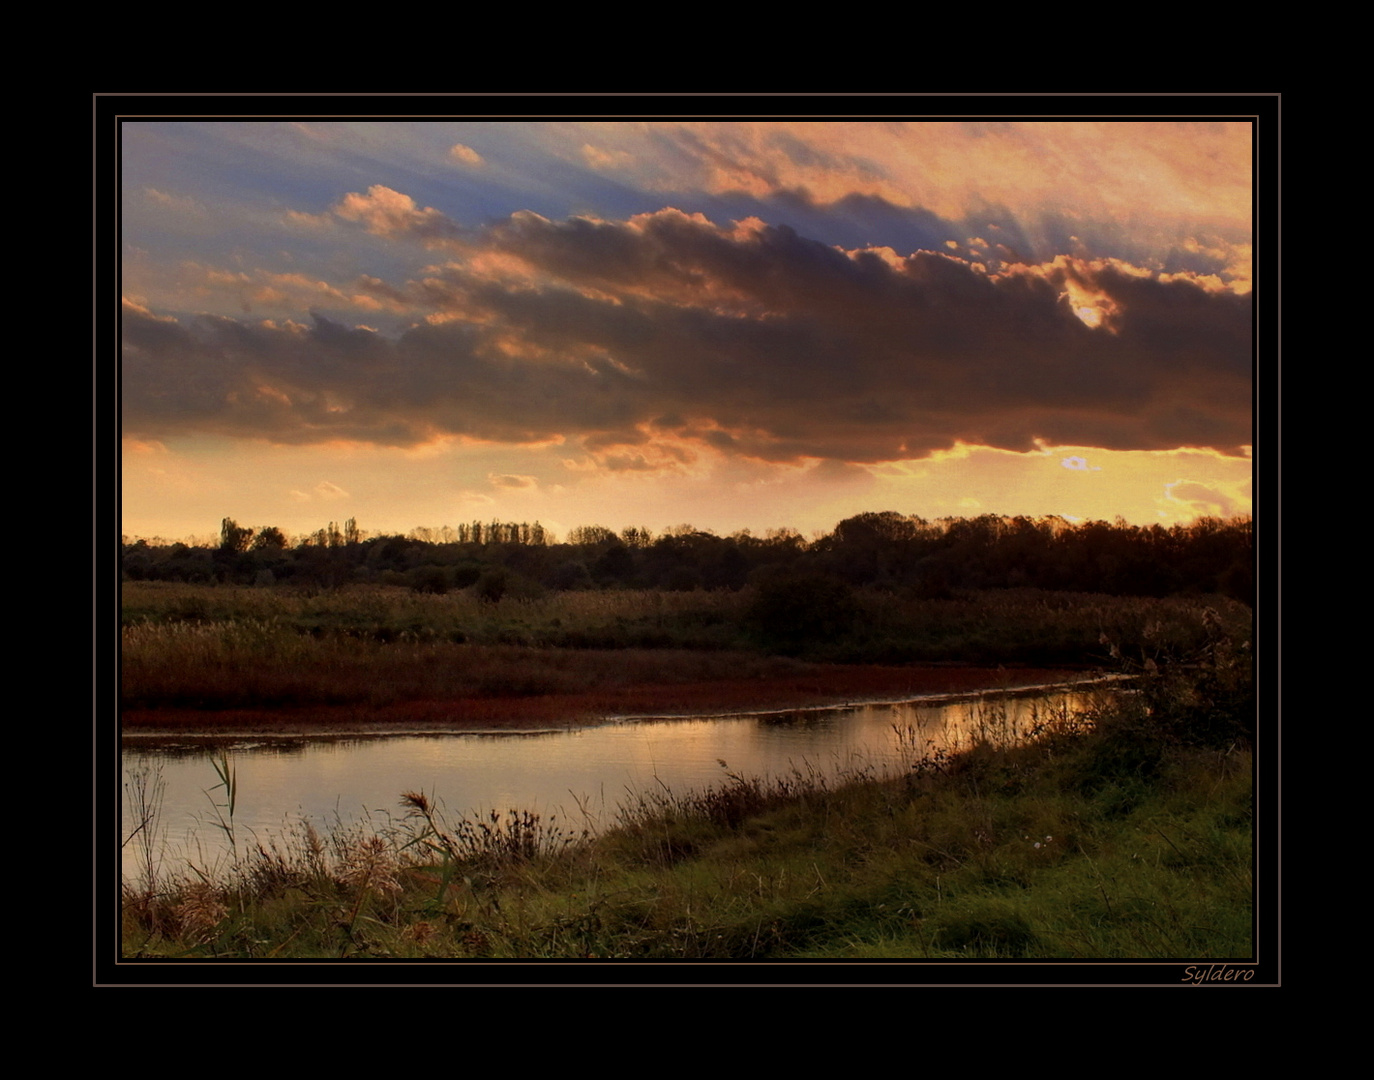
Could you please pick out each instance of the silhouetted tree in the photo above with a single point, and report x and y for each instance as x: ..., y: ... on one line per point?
x: 269, y: 538
x: 588, y: 535
x: 233, y: 537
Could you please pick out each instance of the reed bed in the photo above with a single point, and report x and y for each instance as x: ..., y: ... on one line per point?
x: 408, y: 615
x: 225, y: 666
x: 188, y: 648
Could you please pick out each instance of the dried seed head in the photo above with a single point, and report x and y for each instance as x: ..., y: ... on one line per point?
x: 416, y: 800
x: 369, y: 865
x: 200, y: 911
x: 421, y: 932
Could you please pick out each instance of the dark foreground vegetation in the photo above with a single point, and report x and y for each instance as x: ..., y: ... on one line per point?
x: 1123, y: 832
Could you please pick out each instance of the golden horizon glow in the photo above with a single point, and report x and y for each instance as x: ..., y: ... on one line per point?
x: 290, y: 488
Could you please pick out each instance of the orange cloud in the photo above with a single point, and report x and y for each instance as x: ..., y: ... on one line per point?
x: 466, y: 155
x: 384, y: 212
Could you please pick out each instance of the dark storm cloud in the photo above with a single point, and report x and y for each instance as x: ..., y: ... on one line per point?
x: 752, y: 339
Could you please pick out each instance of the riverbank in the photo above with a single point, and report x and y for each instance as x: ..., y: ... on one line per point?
x: 797, y: 686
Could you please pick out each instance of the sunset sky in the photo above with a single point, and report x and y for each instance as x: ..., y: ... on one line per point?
x: 737, y: 325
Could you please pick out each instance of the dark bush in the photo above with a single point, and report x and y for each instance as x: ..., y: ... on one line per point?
x: 429, y: 579
x: 794, y: 610
x: 572, y: 575
x: 466, y: 574
x: 492, y: 585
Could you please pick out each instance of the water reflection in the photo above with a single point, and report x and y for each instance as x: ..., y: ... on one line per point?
x: 580, y: 775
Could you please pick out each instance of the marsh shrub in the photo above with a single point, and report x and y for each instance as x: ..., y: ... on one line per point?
x: 794, y: 609
x: 572, y: 574
x: 683, y: 579
x: 465, y: 574
x: 429, y: 579
x: 492, y: 585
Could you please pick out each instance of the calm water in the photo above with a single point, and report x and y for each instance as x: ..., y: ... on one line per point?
x: 577, y: 775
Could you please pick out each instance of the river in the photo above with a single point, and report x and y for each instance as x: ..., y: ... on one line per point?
x: 580, y: 776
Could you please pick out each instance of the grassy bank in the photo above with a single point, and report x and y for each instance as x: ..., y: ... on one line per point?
x: 1125, y: 832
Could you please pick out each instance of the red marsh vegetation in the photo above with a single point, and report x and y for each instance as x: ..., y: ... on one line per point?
x: 813, y: 685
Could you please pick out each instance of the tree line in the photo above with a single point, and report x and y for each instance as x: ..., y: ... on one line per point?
x: 886, y: 550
